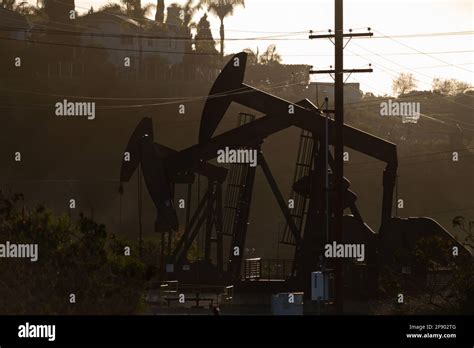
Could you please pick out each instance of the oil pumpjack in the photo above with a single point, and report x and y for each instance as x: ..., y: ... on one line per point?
x: 306, y: 224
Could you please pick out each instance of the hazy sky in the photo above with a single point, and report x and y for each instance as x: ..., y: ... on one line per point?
x: 263, y: 18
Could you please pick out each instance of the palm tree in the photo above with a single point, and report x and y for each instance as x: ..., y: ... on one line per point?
x: 22, y: 7
x: 252, y: 56
x: 131, y: 8
x: 160, y: 11
x: 134, y: 8
x: 33, y: 13
x: 12, y: 5
x: 189, y: 11
x: 222, y: 9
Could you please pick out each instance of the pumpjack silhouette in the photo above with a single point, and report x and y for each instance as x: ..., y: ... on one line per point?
x: 306, y: 224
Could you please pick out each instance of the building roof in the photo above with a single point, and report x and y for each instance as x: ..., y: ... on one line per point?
x: 332, y: 83
x: 102, y: 15
x: 12, y: 18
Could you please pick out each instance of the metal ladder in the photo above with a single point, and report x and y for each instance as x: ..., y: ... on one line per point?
x: 304, y: 162
x: 235, y: 187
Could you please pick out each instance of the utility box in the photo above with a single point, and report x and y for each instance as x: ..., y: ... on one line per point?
x: 319, y: 286
x: 288, y: 303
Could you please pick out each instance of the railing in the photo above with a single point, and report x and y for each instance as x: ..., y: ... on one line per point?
x: 169, y: 293
x: 252, y: 269
x: 257, y: 268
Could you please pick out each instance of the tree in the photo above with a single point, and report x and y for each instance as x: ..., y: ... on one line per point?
x: 160, y: 11
x: 73, y: 258
x: 368, y: 95
x: 12, y: 5
x: 131, y: 8
x: 252, y: 56
x: 204, y: 42
x: 136, y: 9
x: 112, y: 8
x: 33, y: 13
x: 403, y: 84
x: 189, y: 9
x: 468, y: 232
x: 58, y: 11
x: 449, y: 86
x: 270, y: 56
x: 441, y: 280
x: 222, y: 9
x: 174, y: 15
x: 181, y: 15
x: 188, y: 12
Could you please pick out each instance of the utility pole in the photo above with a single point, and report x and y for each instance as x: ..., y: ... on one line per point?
x: 339, y: 72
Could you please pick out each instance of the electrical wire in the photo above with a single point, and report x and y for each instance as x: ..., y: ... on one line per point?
x: 423, y: 53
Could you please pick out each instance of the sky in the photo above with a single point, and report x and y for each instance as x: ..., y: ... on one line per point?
x: 394, y: 18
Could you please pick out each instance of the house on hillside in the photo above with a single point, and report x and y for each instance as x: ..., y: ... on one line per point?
x: 141, y: 41
x: 15, y: 26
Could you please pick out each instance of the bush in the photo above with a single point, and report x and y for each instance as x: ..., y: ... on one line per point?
x: 73, y: 258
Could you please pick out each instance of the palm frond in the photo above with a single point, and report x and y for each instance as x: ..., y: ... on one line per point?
x: 222, y: 8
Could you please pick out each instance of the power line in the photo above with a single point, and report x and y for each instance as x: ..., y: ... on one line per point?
x: 109, y: 48
x: 179, y: 101
x: 283, y: 83
x: 386, y: 54
x: 430, y: 94
x: 450, y: 124
x: 427, y: 94
x: 438, y: 34
x: 431, y: 77
x: 276, y: 36
x: 139, y: 19
x: 239, y: 91
x: 393, y: 62
x: 429, y: 84
x: 456, y: 125
x: 421, y: 52
x: 140, y: 36
x: 440, y: 66
x: 210, y: 54
x: 58, y: 23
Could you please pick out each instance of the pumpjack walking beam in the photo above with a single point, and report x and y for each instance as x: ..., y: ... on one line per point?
x: 279, y: 117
